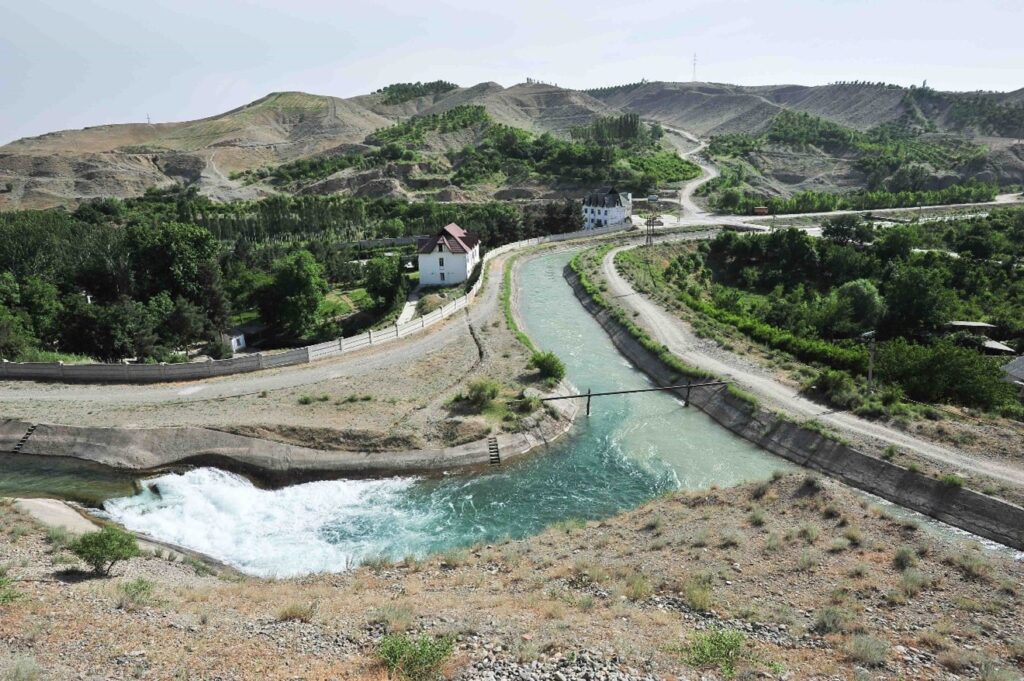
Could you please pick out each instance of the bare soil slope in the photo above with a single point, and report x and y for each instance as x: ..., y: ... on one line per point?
x: 63, y: 168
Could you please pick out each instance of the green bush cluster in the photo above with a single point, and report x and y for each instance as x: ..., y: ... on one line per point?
x: 398, y: 93
x: 412, y: 132
x: 415, y: 658
x: 549, y: 365
x: 103, y: 549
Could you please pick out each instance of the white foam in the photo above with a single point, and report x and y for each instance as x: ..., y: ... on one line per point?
x: 326, y: 526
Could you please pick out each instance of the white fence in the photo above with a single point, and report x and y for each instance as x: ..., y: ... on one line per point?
x: 157, y: 373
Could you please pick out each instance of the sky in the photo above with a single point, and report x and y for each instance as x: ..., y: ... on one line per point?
x: 76, y: 63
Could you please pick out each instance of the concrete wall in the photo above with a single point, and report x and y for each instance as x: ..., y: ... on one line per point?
x: 157, y: 373
x: 150, y: 450
x: 977, y: 513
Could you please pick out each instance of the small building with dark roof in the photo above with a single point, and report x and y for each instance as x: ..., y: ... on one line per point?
x: 448, y: 257
x: 606, y: 206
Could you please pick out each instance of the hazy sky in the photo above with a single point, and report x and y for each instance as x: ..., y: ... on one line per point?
x: 76, y: 63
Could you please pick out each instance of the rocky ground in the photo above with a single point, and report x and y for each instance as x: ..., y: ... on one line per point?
x: 796, y: 578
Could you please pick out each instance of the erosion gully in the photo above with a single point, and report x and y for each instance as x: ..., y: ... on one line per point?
x: 631, y: 449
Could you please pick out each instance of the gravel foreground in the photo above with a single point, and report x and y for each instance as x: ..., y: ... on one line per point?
x: 809, y: 579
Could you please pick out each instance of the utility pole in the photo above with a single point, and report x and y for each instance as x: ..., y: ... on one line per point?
x: 694, y: 67
x: 652, y: 218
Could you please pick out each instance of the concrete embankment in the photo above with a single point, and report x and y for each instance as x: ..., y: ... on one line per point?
x: 977, y: 513
x: 150, y: 450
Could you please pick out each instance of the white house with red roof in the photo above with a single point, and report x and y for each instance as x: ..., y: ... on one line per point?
x: 448, y: 257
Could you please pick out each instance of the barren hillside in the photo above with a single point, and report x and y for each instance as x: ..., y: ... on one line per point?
x: 63, y: 168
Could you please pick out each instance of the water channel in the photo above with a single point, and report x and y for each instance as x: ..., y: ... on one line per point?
x: 631, y: 449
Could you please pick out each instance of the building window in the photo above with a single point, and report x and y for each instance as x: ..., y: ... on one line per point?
x: 440, y: 248
x: 442, y: 276
x: 440, y: 262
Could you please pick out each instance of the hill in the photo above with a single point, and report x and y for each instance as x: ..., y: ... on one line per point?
x: 219, y: 153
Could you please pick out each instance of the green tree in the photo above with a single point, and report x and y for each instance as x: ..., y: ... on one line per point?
x: 918, y: 299
x: 41, y: 300
x: 384, y: 281
x: 852, y: 309
x: 291, y: 302
x: 15, y: 337
x: 844, y: 229
x: 102, y: 550
x: 895, y: 243
x: 170, y: 256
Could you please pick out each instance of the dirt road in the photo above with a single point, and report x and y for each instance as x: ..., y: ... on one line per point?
x: 677, y: 335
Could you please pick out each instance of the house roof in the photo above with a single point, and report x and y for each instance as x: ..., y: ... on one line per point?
x: 1015, y: 369
x: 970, y: 325
x: 996, y: 346
x: 605, y: 197
x: 455, y: 239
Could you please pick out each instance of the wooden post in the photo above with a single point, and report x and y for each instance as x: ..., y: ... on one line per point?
x: 686, y: 401
x: 588, y: 401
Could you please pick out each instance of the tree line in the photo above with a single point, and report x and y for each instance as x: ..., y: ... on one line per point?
x: 147, y: 278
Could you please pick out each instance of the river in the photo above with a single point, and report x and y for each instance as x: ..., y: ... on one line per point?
x: 630, y: 450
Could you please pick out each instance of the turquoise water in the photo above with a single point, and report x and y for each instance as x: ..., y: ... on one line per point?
x: 59, y: 478
x: 631, y: 449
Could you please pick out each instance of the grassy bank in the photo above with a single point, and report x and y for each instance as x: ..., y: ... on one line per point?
x: 587, y: 263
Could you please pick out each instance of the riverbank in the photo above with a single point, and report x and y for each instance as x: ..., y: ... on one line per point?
x: 977, y: 513
x: 814, y: 582
x: 408, y: 421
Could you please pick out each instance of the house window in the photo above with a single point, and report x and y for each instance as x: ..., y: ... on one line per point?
x: 442, y: 276
x: 440, y: 262
x: 440, y: 248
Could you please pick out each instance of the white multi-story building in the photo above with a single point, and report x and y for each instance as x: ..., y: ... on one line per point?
x: 606, y: 206
x: 448, y: 257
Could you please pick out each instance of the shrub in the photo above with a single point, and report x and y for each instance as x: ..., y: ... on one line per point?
x: 808, y: 560
x: 102, y: 550
x: 414, y: 659
x: 809, y: 532
x: 135, y: 594
x: 721, y: 648
x: 697, y: 593
x: 219, y: 350
x: 8, y: 594
x: 394, y: 617
x: 22, y: 669
x: 913, y: 581
x: 637, y: 587
x: 297, y: 612
x: 481, y: 393
x: 905, y: 557
x: 868, y: 650
x: 549, y: 365
x: 952, y: 480
x: 58, y: 537
x: 972, y: 564
x: 854, y: 536
x: 756, y: 517
x: 831, y: 620
x: 838, y: 545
